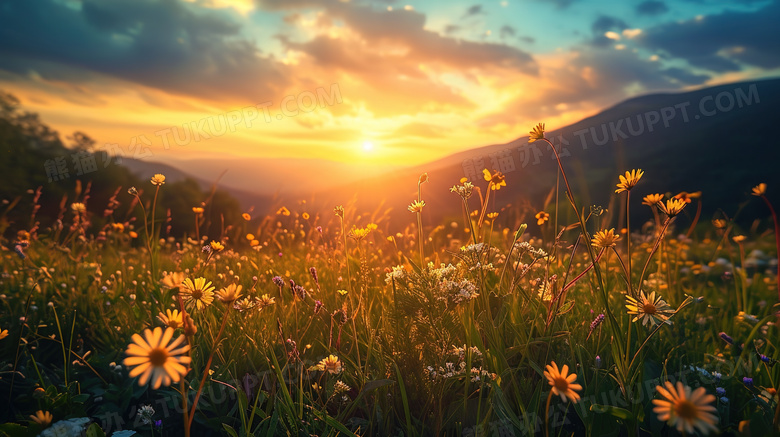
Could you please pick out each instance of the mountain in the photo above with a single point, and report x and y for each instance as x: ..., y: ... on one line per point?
x: 719, y: 140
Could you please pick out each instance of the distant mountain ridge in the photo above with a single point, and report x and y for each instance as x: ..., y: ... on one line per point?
x: 720, y: 140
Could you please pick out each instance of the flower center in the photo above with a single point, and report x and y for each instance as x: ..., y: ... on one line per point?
x: 685, y: 409
x: 561, y: 384
x: 158, y: 356
x: 197, y: 294
x: 648, y: 308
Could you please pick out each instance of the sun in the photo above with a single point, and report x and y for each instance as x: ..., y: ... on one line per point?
x: 368, y: 146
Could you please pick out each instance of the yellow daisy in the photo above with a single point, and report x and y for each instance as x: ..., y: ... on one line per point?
x: 629, y: 181
x: 265, y: 300
x: 649, y: 309
x: 685, y: 409
x: 652, y: 199
x: 416, y: 206
x: 672, y: 207
x: 537, y: 133
x: 42, y: 418
x: 158, y: 179
x: 173, y: 279
x: 562, y: 383
x: 198, y: 292
x: 541, y: 217
x: 229, y: 294
x: 331, y: 364
x: 173, y: 319
x: 216, y: 246
x: 496, y: 179
x: 606, y: 238
x: 156, y: 359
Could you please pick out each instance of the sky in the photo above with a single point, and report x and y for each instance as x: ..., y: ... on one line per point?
x: 374, y: 82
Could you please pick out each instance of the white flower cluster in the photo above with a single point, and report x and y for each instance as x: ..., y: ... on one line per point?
x: 398, y: 274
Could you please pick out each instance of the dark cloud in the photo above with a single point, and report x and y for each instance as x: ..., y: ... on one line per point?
x: 605, y: 23
x: 685, y: 77
x: 163, y: 45
x: 651, y: 7
x: 474, y: 10
x: 451, y: 28
x: 721, y: 42
x: 507, y: 31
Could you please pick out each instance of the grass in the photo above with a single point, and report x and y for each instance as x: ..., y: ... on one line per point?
x: 448, y: 337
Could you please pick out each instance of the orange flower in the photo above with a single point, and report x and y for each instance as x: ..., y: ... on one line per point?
x: 759, y: 190
x: 562, y: 382
x: 541, y: 217
x: 688, y: 197
x: 246, y: 216
x: 537, y: 133
x: 685, y: 409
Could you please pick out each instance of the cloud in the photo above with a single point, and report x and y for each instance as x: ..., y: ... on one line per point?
x: 164, y: 45
x: 507, y: 31
x: 652, y: 7
x: 474, y: 10
x: 720, y: 43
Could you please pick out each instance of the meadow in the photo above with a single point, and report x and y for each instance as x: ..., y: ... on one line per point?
x: 571, y: 321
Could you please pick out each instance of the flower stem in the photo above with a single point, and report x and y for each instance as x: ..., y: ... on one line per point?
x: 208, y: 365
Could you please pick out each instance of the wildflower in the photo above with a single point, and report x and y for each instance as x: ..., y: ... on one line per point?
x: 283, y: 211
x: 305, y: 216
x: 246, y: 216
x: 198, y: 292
x: 720, y: 391
x: 672, y: 207
x: 132, y: 191
x: 331, y: 364
x: 42, y: 418
x: 687, y: 197
x: 206, y: 249
x: 423, y: 178
x: 562, y: 382
x: 537, y: 133
x: 78, y: 208
x: 158, y: 179
x: 339, y: 211
x: 598, y: 361
x: 747, y: 381
x: 759, y: 190
x: 371, y: 226
x: 595, y: 323
x: 118, y: 227
x: 738, y: 238
x: 606, y: 238
x: 649, y: 309
x: 359, y: 233
x: 216, y: 246
x: 342, y: 292
x: 416, y: 206
x: 278, y: 281
x: 684, y: 409
x: 464, y: 190
x: 173, y: 319
x: 492, y: 215
x: 173, y: 279
x: 197, y: 210
x: 133, y: 234
x: 727, y: 338
x: 145, y: 413
x: 265, y: 300
x: 629, y: 181
x: 719, y: 223
x: 250, y: 237
x: 229, y: 294
x: 541, y: 217
x: 318, y: 305
x: 156, y: 359
x: 340, y: 388
x: 652, y: 199
x: 497, y: 179
x: 254, y: 243
x: 3, y: 333
x: 313, y: 272
x: 244, y: 304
